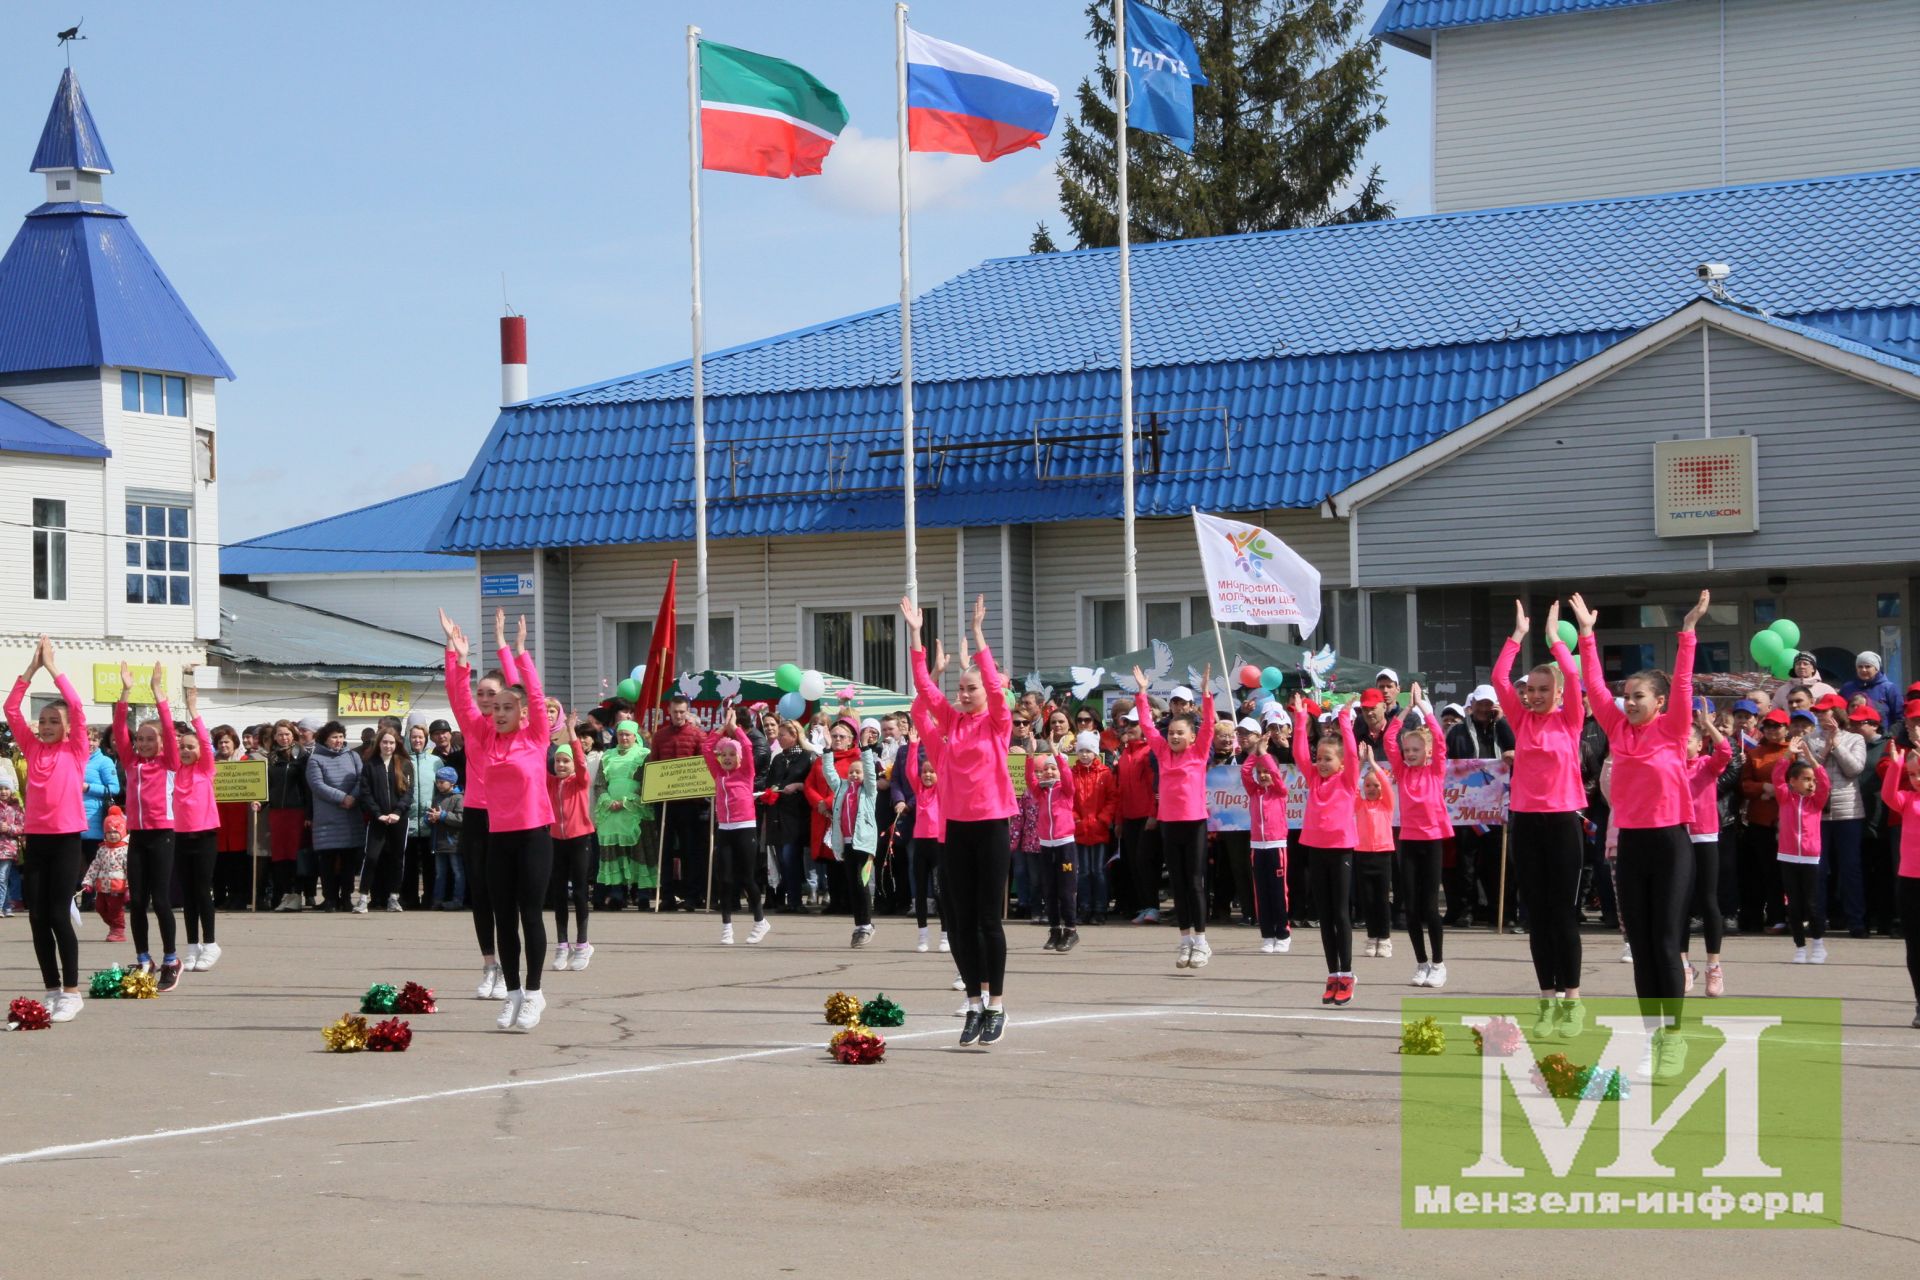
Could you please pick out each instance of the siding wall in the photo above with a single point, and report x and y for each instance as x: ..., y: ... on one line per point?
x: 74, y: 398
x: 1630, y: 101
x: 407, y: 602
x: 1568, y: 493
x: 76, y: 482
x: 153, y: 458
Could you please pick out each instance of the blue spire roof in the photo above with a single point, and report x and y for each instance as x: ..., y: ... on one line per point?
x: 70, y: 140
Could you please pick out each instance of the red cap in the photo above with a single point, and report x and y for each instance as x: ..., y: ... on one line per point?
x: 1776, y: 716
x: 1313, y: 708
x: 1912, y: 708
x: 1832, y: 702
x: 1864, y: 712
x: 1371, y: 697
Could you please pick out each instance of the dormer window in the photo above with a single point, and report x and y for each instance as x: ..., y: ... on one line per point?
x: 160, y: 394
x: 62, y: 184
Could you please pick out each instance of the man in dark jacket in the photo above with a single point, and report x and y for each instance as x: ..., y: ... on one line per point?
x: 789, y: 822
x: 1483, y: 735
x: 1871, y: 683
x: 684, y: 822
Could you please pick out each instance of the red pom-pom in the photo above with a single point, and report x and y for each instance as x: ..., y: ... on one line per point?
x: 391, y: 1036
x: 28, y: 1014
x: 769, y: 796
x: 1501, y: 1037
x: 859, y: 1048
x: 414, y: 998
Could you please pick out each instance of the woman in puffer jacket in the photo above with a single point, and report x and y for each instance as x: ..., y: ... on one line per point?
x: 339, y: 831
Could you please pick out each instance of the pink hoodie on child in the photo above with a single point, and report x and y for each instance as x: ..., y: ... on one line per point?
x: 1906, y: 803
x: 1266, y: 788
x: 1546, y: 744
x: 1799, y: 839
x: 55, y: 770
x: 732, y: 788
x: 571, y: 797
x: 1423, y: 788
x: 513, y: 764
x: 1056, y: 802
x: 1373, y: 818
x: 1649, y: 760
x: 974, y: 783
x: 1330, y: 801
x: 929, y: 820
x: 1183, y: 777
x: 1703, y: 781
x: 193, y: 807
x: 149, y: 788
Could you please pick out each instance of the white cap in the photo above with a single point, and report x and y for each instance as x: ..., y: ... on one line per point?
x: 1483, y: 693
x: 1456, y: 708
x: 1328, y: 717
x: 1387, y: 673
x: 1086, y: 740
x: 1133, y: 716
x: 870, y: 723
x: 312, y: 724
x: 7, y: 779
x: 1181, y: 691
x: 1251, y: 725
x: 1274, y: 715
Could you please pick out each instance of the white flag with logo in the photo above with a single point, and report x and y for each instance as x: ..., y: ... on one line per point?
x: 1252, y: 576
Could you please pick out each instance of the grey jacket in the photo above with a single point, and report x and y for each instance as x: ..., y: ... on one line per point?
x: 1844, y: 754
x: 333, y: 776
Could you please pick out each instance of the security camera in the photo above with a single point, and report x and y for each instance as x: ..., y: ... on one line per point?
x: 1712, y: 272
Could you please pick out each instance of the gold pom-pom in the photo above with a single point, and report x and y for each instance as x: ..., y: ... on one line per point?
x: 138, y: 984
x: 842, y: 1009
x: 349, y: 1035
x: 1425, y: 1037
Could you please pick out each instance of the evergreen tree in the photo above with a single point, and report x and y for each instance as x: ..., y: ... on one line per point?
x: 1042, y: 241
x: 1294, y: 95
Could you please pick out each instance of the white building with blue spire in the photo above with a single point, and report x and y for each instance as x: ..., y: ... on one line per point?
x: 109, y: 442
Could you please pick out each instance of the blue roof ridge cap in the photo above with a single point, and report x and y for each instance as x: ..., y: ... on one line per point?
x: 74, y: 208
x: 256, y: 542
x: 441, y: 539
x: 1403, y: 32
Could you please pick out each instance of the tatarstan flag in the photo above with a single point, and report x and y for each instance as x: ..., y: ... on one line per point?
x: 762, y: 116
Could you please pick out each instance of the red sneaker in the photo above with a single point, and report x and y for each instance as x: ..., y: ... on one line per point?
x: 1342, y: 991
x: 1333, y: 985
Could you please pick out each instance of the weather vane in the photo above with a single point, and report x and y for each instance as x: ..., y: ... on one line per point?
x: 68, y: 36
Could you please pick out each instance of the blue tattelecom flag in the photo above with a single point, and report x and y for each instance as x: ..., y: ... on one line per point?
x: 1162, y: 67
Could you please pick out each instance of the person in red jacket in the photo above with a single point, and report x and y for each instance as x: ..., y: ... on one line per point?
x: 842, y: 751
x: 1137, y: 802
x: 683, y: 862
x: 1095, y: 806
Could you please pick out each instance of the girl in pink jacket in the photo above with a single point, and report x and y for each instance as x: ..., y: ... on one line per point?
x: 1418, y: 756
x: 1801, y: 785
x: 56, y: 750
x: 1652, y: 807
x: 1900, y: 792
x: 1047, y: 778
x: 922, y: 760
x: 150, y: 757
x: 196, y: 828
x: 1182, y: 754
x: 570, y: 789
x: 1708, y: 754
x: 509, y: 750
x: 1328, y: 837
x: 1266, y: 785
x: 729, y: 756
x: 475, y: 821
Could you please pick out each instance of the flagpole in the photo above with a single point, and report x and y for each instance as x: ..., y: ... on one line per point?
x: 1130, y: 574
x: 906, y: 307
x: 699, y: 341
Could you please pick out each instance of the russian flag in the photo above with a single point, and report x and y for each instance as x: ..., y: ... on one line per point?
x: 963, y: 102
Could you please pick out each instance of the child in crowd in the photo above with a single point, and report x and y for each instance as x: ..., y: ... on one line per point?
x: 570, y: 883
x: 1900, y: 792
x: 1328, y: 837
x: 922, y: 759
x: 151, y: 756
x: 1095, y: 795
x: 1418, y: 756
x: 1182, y: 756
x: 196, y: 823
x: 1373, y: 850
x: 107, y: 874
x: 1266, y: 788
x: 729, y: 756
x: 1047, y: 780
x: 443, y: 822
x: 1801, y: 785
x: 13, y: 825
x: 851, y: 831
x: 1708, y: 755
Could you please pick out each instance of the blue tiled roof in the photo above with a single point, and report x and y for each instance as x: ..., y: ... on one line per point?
x: 24, y: 432
x: 70, y: 139
x: 1330, y: 352
x: 1876, y: 352
x: 1407, y: 22
x: 390, y: 536
x: 79, y: 289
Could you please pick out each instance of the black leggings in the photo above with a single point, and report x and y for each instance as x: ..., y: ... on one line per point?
x: 734, y: 853
x: 1653, y: 870
x: 1706, y: 898
x: 519, y: 864
x: 337, y: 873
x: 195, y: 852
x: 1548, y: 852
x: 49, y: 878
x: 857, y: 864
x: 572, y: 865
x: 150, y: 880
x: 973, y: 877
x: 926, y: 881
x: 1185, y: 844
x: 1373, y: 878
x: 1420, y: 889
x: 1140, y: 858
x: 1907, y: 889
x: 1806, y: 914
x: 384, y: 860
x: 1062, y: 863
x: 473, y: 851
x: 1330, y: 871
x: 1270, y: 893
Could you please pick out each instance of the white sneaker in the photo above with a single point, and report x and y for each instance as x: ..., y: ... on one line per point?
x: 489, y: 979
x: 1799, y: 955
x: 1386, y: 949
x: 510, y: 1011
x: 1266, y: 946
x: 562, y: 953
x: 1283, y: 945
x: 65, y: 1007
x: 726, y: 935
x: 1201, y: 953
x: 208, y: 955
x: 531, y: 1005
x: 1184, y: 956
x: 1373, y: 947
x: 191, y: 961
x: 1626, y: 954
x: 964, y: 1009
x: 922, y: 944
x: 582, y: 954
x: 761, y: 928
x: 1437, y: 975
x: 1420, y: 974
x: 1686, y: 973
x: 943, y: 942
x: 359, y: 904
x: 1818, y: 955
x: 959, y: 984
x: 393, y: 902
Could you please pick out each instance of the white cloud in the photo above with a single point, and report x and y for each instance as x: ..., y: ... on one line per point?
x: 861, y: 175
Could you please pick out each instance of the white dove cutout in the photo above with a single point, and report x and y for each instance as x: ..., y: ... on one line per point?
x: 1086, y: 680
x: 689, y: 685
x: 1156, y: 674
x: 1032, y: 685
x: 728, y: 687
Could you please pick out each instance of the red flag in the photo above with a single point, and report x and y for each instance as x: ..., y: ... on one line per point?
x: 661, y: 655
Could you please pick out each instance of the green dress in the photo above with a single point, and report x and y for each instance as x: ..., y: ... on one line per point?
x: 629, y: 859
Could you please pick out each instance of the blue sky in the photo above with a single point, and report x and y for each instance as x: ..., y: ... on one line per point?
x: 338, y: 196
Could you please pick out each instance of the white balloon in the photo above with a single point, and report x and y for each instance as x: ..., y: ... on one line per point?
x: 813, y: 686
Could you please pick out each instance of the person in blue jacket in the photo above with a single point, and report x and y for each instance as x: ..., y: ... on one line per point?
x: 102, y: 783
x: 1871, y: 683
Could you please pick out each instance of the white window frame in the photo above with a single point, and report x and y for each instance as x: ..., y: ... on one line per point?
x: 803, y: 634
x: 180, y: 502
x: 1191, y: 622
x: 186, y: 395
x: 55, y: 537
x: 1360, y: 647
x: 609, y: 642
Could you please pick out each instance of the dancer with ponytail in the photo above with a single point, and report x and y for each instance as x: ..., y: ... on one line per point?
x: 569, y: 790
x: 1652, y: 806
x: 196, y: 823
x: 976, y: 798
x: 508, y: 750
x: 475, y: 824
x: 729, y: 756
x: 56, y: 749
x: 151, y: 757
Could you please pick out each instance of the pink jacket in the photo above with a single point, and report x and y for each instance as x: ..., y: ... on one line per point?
x: 1330, y: 801
x: 572, y: 798
x: 929, y: 821
x: 1703, y: 781
x: 193, y: 808
x: 1649, y: 760
x: 1546, y: 744
x: 1056, y: 800
x: 1266, y: 785
x: 514, y: 765
x: 474, y: 796
x: 732, y: 788
x: 974, y: 783
x: 55, y: 770
x: 1183, y: 777
x: 1423, y: 791
x: 1799, y: 839
x: 1373, y: 819
x: 1907, y: 804
x: 149, y: 778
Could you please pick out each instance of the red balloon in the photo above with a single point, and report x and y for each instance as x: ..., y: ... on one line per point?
x: 1249, y: 677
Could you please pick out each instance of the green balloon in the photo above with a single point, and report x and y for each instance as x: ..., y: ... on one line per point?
x: 1568, y: 633
x: 1766, y: 647
x: 1783, y: 665
x: 787, y: 676
x: 1788, y: 631
x: 629, y: 690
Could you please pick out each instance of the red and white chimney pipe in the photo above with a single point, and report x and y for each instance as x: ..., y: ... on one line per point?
x: 513, y: 359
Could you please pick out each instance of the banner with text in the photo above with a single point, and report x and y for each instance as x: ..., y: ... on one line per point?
x: 1476, y: 792
x: 369, y: 699
x: 1252, y: 576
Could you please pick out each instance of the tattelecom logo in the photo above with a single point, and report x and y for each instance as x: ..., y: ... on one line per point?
x: 1249, y: 550
x: 1531, y: 1121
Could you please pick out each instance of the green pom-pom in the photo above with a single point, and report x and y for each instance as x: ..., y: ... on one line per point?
x: 379, y: 998
x: 105, y: 984
x: 882, y: 1012
x: 1425, y: 1037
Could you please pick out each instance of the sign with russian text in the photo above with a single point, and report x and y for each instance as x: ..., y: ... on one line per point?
x: 1476, y: 793
x: 1707, y: 486
x: 506, y: 584
x: 366, y: 699
x: 687, y: 778
x: 239, y: 781
x: 1252, y: 576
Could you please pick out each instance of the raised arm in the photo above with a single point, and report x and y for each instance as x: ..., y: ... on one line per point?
x: 1503, y: 690
x: 169, y: 737
x: 1352, y: 750
x: 938, y: 709
x: 1680, y: 704
x: 527, y: 676
x: 999, y: 714
x: 466, y: 712
x: 1604, y: 712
